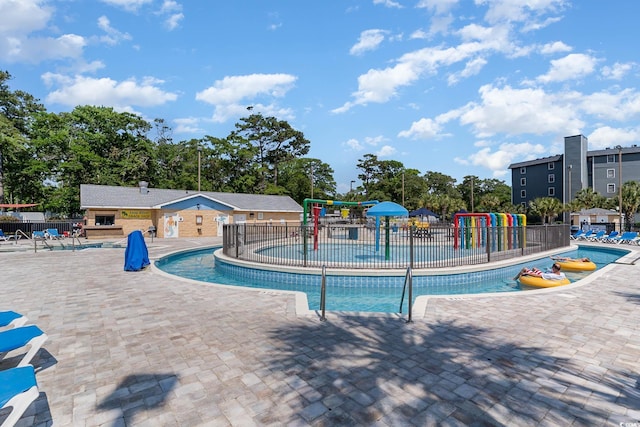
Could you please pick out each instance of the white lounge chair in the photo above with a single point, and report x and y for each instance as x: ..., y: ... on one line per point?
x: 18, y: 389
x: 18, y: 338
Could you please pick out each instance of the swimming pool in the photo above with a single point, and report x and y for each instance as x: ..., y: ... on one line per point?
x: 367, y: 293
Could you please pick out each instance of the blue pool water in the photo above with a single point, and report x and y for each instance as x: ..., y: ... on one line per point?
x: 368, y: 293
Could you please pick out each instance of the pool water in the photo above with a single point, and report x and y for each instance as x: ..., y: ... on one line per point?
x: 368, y: 293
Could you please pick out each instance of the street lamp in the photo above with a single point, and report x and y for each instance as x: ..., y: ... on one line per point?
x: 620, y: 184
x: 199, y: 154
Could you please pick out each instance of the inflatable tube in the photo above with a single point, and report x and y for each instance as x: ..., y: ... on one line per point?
x: 577, y: 265
x: 539, y: 282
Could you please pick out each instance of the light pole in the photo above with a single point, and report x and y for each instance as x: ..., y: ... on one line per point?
x: 620, y: 184
x: 569, y: 168
x: 402, y: 188
x: 351, y: 186
x: 199, y: 154
x: 471, y: 193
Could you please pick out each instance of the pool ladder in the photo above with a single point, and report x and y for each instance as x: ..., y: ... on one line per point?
x: 408, y: 281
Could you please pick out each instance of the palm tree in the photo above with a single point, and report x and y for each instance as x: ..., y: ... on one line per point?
x: 630, y: 201
x: 547, y: 207
x: 587, y: 199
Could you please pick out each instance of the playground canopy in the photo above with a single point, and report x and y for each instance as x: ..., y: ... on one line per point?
x: 387, y: 209
x: 422, y: 212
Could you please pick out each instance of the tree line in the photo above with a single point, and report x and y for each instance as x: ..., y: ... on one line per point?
x: 45, y: 156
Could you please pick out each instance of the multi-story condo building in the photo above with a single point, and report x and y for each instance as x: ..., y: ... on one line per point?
x: 563, y: 175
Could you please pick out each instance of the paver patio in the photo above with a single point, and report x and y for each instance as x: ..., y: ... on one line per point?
x: 143, y: 349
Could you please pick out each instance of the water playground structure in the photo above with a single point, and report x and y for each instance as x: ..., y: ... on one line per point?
x: 500, y: 231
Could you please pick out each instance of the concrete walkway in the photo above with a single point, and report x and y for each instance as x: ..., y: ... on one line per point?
x: 143, y: 349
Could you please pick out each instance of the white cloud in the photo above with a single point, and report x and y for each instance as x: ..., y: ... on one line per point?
x: 471, y: 68
x: 80, y: 90
x: 617, y: 71
x: 518, y: 111
x: 519, y: 10
x: 18, y: 20
x: 388, y: 3
x: 571, y: 67
x: 128, y: 5
x: 437, y: 6
x: 422, y: 129
x: 498, y: 161
x: 555, y: 47
x: 188, y: 125
x: 606, y: 137
x: 233, y: 89
x: 113, y: 36
x: 386, y: 151
x: 354, y: 144
x: 380, y: 85
x: 173, y: 21
x: 374, y: 140
x: 620, y: 106
x: 369, y: 40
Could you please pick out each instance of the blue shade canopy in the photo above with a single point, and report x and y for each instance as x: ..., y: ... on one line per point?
x: 136, y: 256
x: 387, y: 209
x: 423, y: 212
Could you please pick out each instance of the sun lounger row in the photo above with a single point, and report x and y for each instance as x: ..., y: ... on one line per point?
x: 628, y: 237
x: 18, y: 385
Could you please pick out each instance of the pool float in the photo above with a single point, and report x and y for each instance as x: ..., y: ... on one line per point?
x: 577, y: 265
x: 539, y: 282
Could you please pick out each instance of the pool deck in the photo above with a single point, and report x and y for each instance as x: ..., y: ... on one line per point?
x: 144, y: 349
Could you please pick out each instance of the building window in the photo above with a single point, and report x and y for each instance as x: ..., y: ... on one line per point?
x: 611, y: 188
x: 611, y: 173
x: 523, y: 194
x: 611, y: 158
x: 551, y: 191
x: 551, y: 166
x: 523, y: 171
x: 523, y: 182
x: 105, y: 219
x: 551, y: 178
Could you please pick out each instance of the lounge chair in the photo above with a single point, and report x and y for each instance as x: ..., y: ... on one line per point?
x: 577, y: 235
x: 11, y: 319
x: 619, y: 238
x: 17, y: 338
x: 18, y: 390
x: 586, y: 235
x: 612, y: 235
x: 5, y: 238
x: 38, y: 235
x: 596, y: 237
x: 628, y: 237
x: 52, y: 233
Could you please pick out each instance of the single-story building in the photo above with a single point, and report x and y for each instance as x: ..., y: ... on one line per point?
x: 595, y: 219
x: 116, y: 211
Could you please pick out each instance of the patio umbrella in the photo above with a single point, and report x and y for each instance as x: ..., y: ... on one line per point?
x: 422, y: 212
x: 386, y: 210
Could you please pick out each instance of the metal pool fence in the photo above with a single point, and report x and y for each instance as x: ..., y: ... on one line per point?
x: 363, y: 247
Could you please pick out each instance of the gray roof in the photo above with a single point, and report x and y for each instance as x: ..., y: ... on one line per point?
x: 595, y: 211
x: 536, y: 161
x: 613, y: 150
x: 107, y: 196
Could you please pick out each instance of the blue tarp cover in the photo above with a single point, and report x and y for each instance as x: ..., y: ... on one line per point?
x: 136, y: 256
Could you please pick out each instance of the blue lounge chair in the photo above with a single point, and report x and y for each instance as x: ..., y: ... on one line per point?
x: 18, y: 338
x: 628, y: 237
x: 52, y: 233
x: 5, y: 238
x: 596, y: 237
x: 38, y: 235
x: 18, y: 389
x: 11, y: 319
x: 578, y: 234
x: 586, y: 235
x: 612, y: 235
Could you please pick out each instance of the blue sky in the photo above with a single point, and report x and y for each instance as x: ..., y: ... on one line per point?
x: 455, y: 86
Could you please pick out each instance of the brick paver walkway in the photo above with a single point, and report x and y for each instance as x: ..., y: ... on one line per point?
x: 143, y: 349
